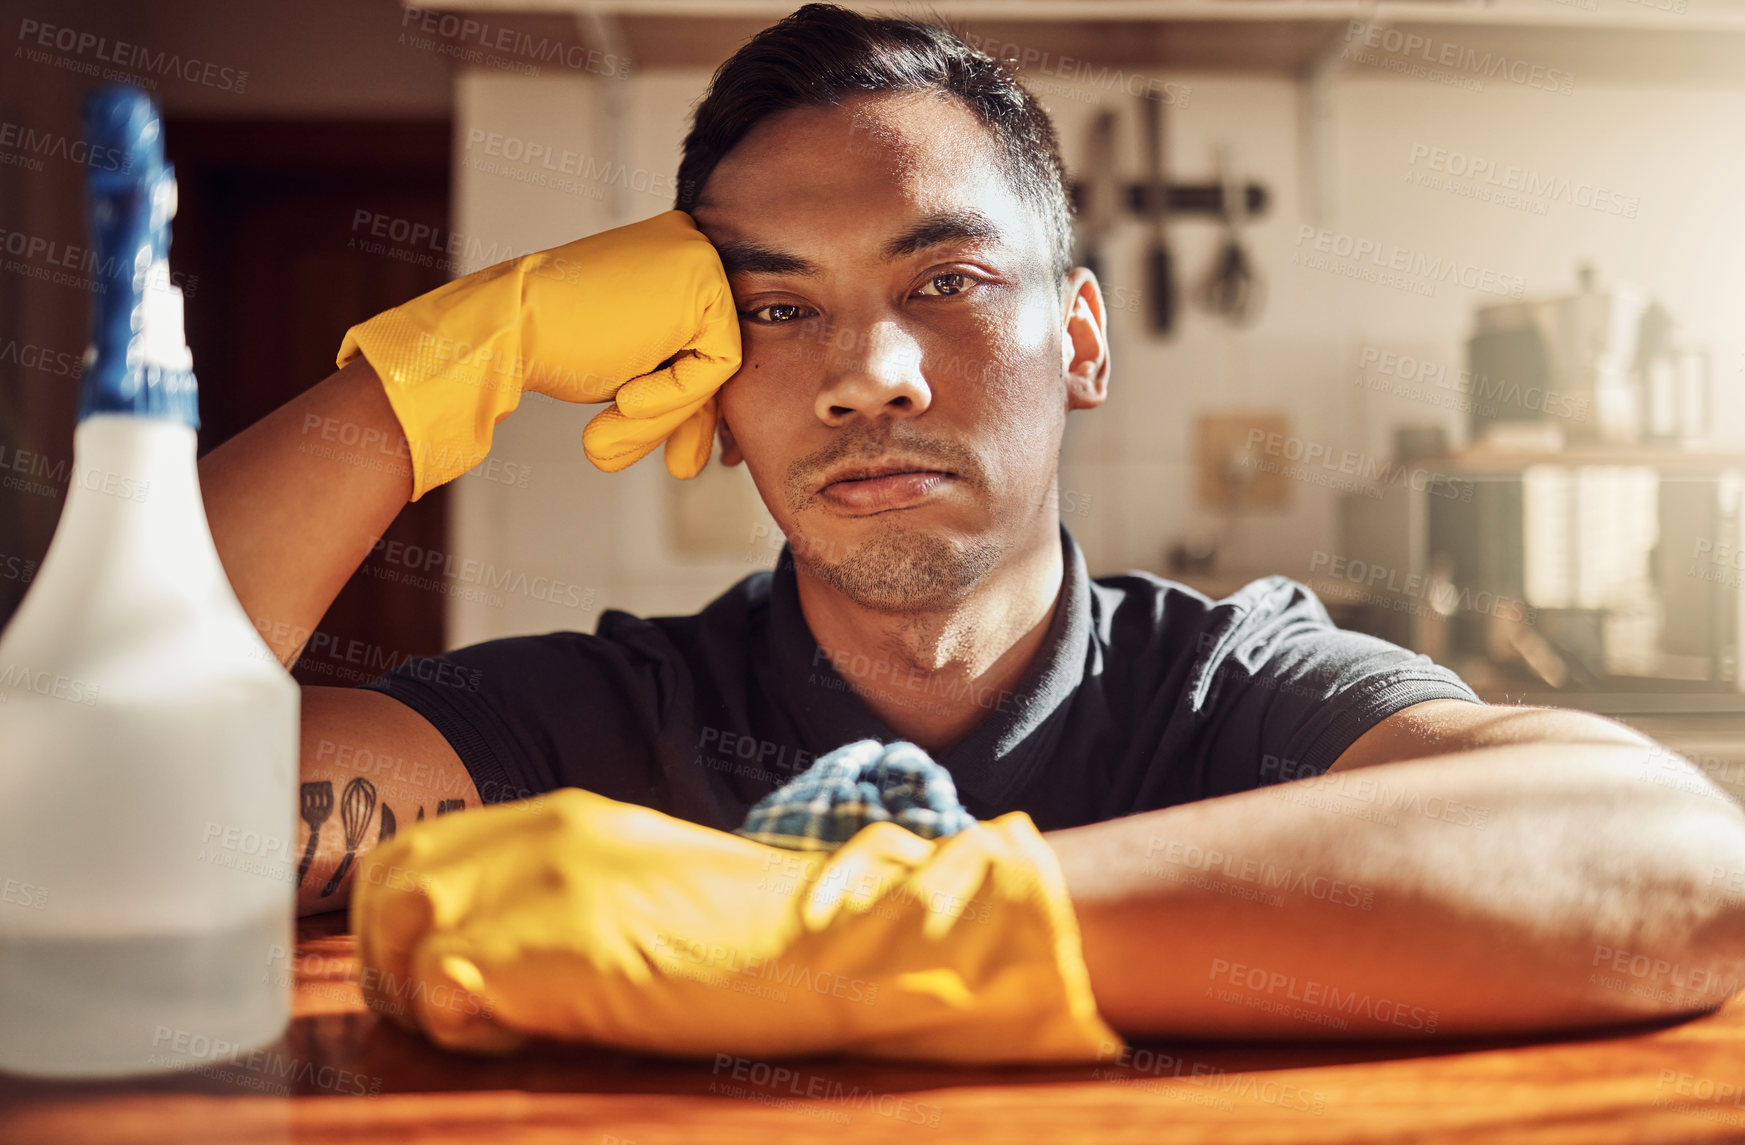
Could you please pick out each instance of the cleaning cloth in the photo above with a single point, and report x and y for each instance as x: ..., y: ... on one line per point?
x: 859, y: 783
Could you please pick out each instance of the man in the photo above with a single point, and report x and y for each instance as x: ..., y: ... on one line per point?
x: 889, y: 212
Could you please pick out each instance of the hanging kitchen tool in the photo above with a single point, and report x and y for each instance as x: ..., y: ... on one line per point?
x: 1099, y: 205
x: 1232, y: 288
x: 1159, y: 271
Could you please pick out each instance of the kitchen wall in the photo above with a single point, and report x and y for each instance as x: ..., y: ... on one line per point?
x: 1666, y: 155
x: 644, y: 542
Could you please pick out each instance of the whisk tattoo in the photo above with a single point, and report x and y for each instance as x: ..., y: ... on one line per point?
x: 355, y: 808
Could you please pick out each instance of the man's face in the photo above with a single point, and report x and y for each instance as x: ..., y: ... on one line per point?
x: 906, y: 371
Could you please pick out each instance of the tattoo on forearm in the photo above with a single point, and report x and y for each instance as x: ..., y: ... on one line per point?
x: 443, y: 807
x: 317, y: 800
x: 388, y: 825
x: 356, y: 807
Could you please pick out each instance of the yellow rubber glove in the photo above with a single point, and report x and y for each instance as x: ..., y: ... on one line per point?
x: 640, y: 316
x: 573, y: 916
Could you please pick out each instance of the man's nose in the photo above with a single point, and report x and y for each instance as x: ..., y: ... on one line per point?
x: 878, y: 376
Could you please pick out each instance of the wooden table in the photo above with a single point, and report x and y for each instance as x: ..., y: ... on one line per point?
x: 1670, y: 1083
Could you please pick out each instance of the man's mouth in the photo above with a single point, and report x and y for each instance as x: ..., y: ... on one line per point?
x: 863, y: 489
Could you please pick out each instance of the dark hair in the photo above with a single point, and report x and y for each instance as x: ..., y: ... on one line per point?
x: 822, y: 53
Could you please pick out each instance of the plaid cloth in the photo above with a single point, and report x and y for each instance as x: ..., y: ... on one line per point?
x: 859, y: 783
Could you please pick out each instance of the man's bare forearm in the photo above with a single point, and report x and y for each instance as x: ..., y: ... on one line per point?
x: 296, y: 500
x: 1513, y: 888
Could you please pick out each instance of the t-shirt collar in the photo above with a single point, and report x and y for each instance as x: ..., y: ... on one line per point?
x: 1001, y: 754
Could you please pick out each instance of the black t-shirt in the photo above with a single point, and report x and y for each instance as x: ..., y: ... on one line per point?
x: 1144, y: 694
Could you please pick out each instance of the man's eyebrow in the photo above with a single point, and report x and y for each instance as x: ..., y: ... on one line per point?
x: 964, y: 225
x: 756, y: 258
x: 957, y: 226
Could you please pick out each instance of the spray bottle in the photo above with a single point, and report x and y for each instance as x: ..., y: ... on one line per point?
x: 148, y: 736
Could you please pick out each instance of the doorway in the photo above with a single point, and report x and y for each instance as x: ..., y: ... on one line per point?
x: 266, y: 248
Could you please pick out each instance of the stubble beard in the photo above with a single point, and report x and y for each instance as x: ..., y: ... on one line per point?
x: 905, y: 570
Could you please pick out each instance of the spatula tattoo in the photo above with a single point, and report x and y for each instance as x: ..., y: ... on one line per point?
x: 317, y: 800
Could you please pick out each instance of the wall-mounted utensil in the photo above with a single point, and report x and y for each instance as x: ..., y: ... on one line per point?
x: 1099, y: 205
x: 1159, y: 268
x: 1232, y: 287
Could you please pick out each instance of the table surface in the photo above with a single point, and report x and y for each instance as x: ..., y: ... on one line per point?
x: 1682, y: 1082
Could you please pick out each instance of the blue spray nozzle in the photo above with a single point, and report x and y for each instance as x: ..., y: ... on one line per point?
x: 130, y: 211
x: 122, y: 120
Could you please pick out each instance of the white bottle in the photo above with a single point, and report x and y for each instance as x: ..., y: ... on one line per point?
x: 148, y: 736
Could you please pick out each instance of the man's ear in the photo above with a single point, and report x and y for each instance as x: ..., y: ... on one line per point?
x: 730, y: 454
x: 1084, y: 343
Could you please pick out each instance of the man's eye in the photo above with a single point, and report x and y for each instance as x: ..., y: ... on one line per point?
x: 778, y: 314
x: 945, y: 285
